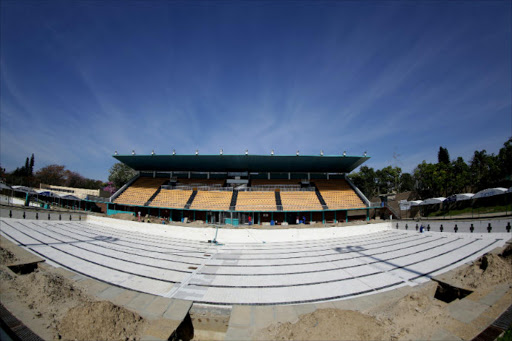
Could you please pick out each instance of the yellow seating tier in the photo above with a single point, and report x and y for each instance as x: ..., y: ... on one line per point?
x: 174, y: 198
x: 140, y: 191
x: 300, y: 201
x: 212, y: 200
x: 256, y: 201
x: 338, y: 194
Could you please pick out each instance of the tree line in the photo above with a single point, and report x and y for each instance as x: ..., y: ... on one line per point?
x: 56, y: 175
x: 441, y: 179
x: 428, y: 180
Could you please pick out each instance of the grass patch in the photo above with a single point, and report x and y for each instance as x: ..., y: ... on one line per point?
x: 474, y: 211
x: 507, y: 336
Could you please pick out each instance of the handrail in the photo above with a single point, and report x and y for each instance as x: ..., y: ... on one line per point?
x: 358, y: 192
x: 122, y: 189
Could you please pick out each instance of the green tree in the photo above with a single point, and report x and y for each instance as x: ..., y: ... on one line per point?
x: 365, y: 180
x: 120, y: 174
x: 388, y: 179
x: 52, y: 175
x: 406, y: 182
x: 31, y: 172
x: 485, y: 170
x: 443, y: 156
x: 73, y: 179
x: 425, y: 175
x: 460, y: 181
x: 505, y: 164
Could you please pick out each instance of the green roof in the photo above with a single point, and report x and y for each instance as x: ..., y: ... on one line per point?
x: 243, y: 163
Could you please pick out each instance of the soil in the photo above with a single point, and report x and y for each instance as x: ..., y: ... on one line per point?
x: 60, y: 309
x: 64, y: 311
x: 488, y: 271
x: 124, y: 216
x: 110, y: 322
x: 327, y: 324
x: 416, y: 316
x: 6, y: 256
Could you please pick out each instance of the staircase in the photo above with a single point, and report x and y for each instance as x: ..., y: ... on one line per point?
x: 232, y: 205
x: 393, y: 211
x: 278, y: 201
x: 321, y: 199
x: 153, y: 196
x: 191, y: 199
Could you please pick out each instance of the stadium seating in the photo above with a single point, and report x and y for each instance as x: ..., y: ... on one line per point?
x: 212, y: 200
x: 256, y: 201
x: 338, y: 194
x: 140, y: 191
x: 173, y: 198
x: 300, y: 201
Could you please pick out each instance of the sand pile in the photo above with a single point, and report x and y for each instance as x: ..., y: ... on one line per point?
x: 413, y: 316
x: 487, y: 271
x: 100, y: 321
x: 67, y: 312
x: 6, y: 256
x: 47, y: 294
x: 328, y: 324
x: 124, y: 216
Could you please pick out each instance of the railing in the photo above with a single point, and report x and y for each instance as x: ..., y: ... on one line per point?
x: 283, y: 188
x: 275, y: 208
x: 201, y: 188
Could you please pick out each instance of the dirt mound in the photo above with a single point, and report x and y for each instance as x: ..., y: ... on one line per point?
x: 507, y: 253
x: 487, y: 271
x: 45, y: 288
x: 411, y: 317
x: 328, y: 324
x: 124, y: 216
x: 100, y: 321
x: 6, y: 256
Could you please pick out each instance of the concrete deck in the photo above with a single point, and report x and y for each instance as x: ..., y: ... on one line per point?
x: 251, y: 267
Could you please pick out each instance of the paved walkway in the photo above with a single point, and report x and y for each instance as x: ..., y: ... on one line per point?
x: 297, y: 270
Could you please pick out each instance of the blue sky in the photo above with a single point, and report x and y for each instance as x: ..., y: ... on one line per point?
x: 81, y: 79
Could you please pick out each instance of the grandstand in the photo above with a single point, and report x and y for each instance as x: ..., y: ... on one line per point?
x: 140, y: 191
x: 256, y: 201
x: 213, y: 187
x: 338, y: 194
x: 174, y: 198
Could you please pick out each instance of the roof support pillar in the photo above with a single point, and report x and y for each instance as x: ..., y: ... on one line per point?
x: 289, y: 176
x: 154, y: 174
x: 268, y: 176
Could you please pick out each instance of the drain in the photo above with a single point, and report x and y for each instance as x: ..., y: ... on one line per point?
x: 448, y: 293
x: 185, y: 330
x: 23, y: 269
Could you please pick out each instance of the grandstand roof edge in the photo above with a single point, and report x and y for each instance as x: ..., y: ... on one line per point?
x: 237, y: 163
